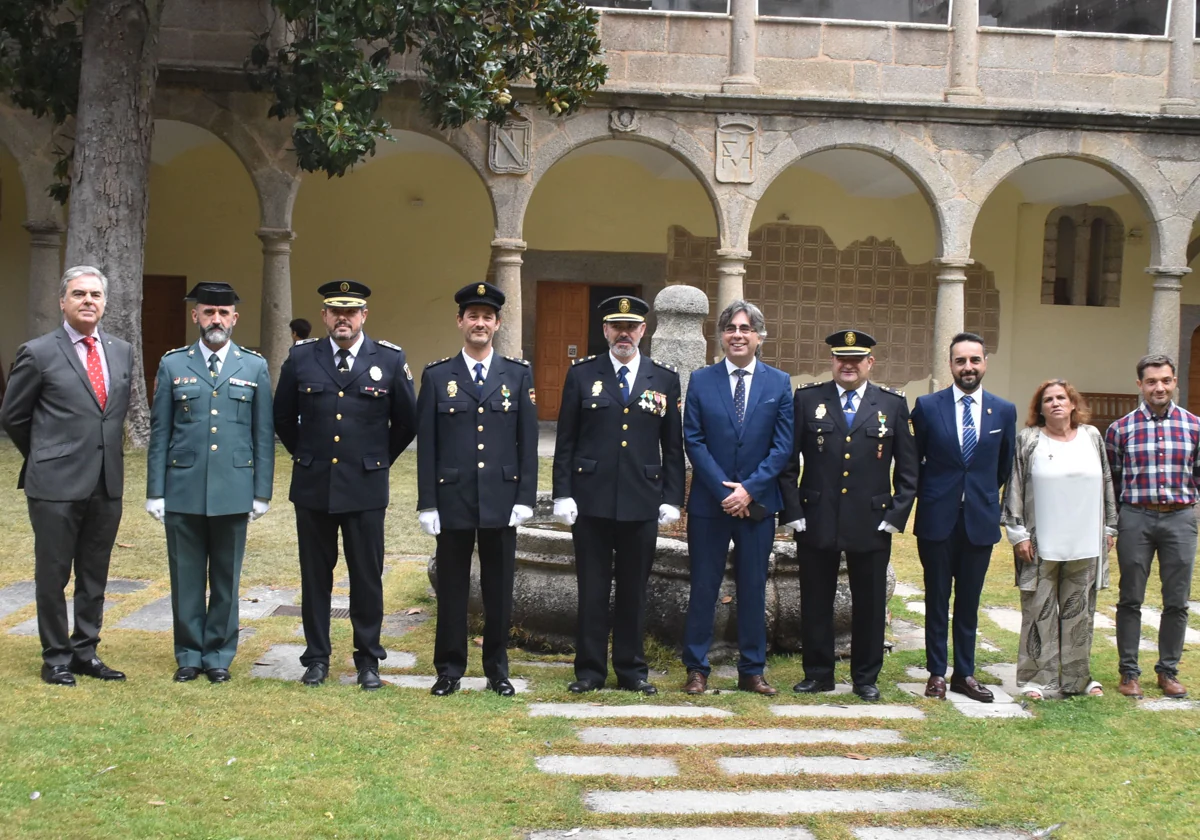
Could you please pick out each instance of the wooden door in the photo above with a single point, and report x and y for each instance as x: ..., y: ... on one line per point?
x: 1193, y: 400
x: 562, y: 335
x: 164, y: 320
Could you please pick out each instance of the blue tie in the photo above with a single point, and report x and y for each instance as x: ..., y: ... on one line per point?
x: 969, y: 435
x: 624, y: 384
x: 479, y: 376
x: 739, y: 396
x: 848, y: 408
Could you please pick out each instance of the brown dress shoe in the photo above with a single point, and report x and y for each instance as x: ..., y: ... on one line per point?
x: 936, y: 688
x: 756, y: 684
x: 1130, y: 687
x: 1171, y: 687
x: 970, y: 687
x: 697, y: 683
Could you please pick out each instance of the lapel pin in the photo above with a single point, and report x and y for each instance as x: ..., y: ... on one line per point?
x: 989, y: 411
x: 820, y: 412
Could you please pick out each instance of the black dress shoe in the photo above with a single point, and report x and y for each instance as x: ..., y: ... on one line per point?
x: 502, y: 687
x: 315, y: 674
x: 971, y: 688
x: 57, y: 675
x: 368, y: 678
x: 584, y: 686
x: 95, y: 668
x: 445, y: 686
x: 218, y: 675
x: 807, y: 686
x: 186, y: 674
x: 868, y: 693
x: 641, y: 686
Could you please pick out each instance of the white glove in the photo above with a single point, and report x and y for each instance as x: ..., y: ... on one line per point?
x: 431, y: 523
x: 887, y: 526
x: 259, y: 507
x: 157, y: 508
x: 519, y: 514
x: 667, y: 514
x: 565, y: 510
x: 796, y: 525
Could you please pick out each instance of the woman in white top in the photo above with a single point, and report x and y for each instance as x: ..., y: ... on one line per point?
x: 1060, y: 514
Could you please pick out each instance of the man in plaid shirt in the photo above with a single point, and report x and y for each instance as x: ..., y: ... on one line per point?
x: 1153, y: 454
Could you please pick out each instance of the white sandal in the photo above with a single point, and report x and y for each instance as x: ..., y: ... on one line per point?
x: 1033, y: 692
x: 1094, y: 689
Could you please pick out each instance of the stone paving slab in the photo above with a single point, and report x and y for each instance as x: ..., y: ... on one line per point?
x: 829, y: 765
x: 740, y: 737
x: 396, y: 660
x: 124, y: 586
x: 906, y: 590
x: 1167, y: 705
x: 873, y: 710
x: 426, y: 682
x: 607, y: 765
x: 1103, y: 622
x: 764, y: 802
x: 696, y: 833
x: 915, y: 606
x: 1003, y: 706
x: 938, y: 834
x: 1151, y: 618
x: 590, y: 710
x: 280, y: 662
x: 1006, y: 672
x: 1008, y: 619
x: 529, y: 663
x: 907, y: 635
x: 1143, y: 644
x: 261, y: 601
x: 155, y: 617
x: 16, y: 596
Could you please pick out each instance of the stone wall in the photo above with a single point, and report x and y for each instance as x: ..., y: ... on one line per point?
x: 212, y: 32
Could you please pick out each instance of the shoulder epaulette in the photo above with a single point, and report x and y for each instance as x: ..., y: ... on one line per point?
x: 305, y: 341
x: 439, y: 361
x: 176, y: 350
x: 804, y: 385
x: 251, y: 352
x: 389, y: 344
x: 518, y: 361
x: 584, y: 359
x: 666, y: 366
x: 890, y: 390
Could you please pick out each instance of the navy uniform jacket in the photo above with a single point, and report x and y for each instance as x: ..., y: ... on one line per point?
x: 476, y: 452
x: 849, y: 484
x: 344, y: 430
x: 619, y: 461
x: 212, y: 445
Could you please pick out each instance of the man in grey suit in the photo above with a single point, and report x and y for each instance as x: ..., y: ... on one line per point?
x: 65, y: 411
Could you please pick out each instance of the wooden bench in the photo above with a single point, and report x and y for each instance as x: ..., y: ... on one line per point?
x: 1108, y: 408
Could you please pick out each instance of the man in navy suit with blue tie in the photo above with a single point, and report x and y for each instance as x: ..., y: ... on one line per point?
x: 965, y: 439
x: 737, y: 431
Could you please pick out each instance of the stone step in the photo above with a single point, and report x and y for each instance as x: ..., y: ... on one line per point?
x: 693, y: 833
x: 597, y: 710
x: 765, y: 801
x: 826, y: 710
x: 829, y: 765
x: 606, y: 765
x: 614, y: 736
x: 426, y: 682
x: 939, y: 834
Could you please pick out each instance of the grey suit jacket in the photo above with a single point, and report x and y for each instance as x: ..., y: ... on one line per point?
x: 54, y: 418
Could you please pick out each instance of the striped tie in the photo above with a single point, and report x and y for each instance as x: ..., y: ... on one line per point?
x: 969, y: 436
x: 848, y: 408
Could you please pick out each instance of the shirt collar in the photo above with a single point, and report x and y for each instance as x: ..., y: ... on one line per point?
x: 730, y: 367
x: 206, y: 351
x: 76, y: 336
x: 959, y: 393
x: 632, y: 364
x: 859, y: 391
x: 487, y: 363
x: 1150, y: 414
x: 354, y: 348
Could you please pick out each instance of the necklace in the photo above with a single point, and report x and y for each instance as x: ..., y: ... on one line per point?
x: 1051, y: 435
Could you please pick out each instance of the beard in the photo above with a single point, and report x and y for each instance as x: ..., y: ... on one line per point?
x: 216, y: 335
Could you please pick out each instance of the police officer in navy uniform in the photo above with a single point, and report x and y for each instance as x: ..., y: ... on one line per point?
x: 857, y: 489
x: 345, y: 409
x: 618, y: 475
x: 476, y: 479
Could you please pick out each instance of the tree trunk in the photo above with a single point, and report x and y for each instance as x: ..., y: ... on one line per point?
x: 110, y: 176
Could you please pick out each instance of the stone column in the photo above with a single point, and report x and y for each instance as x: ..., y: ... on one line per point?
x: 1181, y: 28
x: 964, y: 54
x: 743, y: 45
x: 276, y: 339
x: 1164, y: 309
x: 679, y: 333
x: 731, y: 271
x: 506, y: 262
x: 45, y: 271
x: 948, y: 320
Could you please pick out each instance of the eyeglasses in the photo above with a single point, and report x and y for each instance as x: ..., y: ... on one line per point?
x: 734, y: 329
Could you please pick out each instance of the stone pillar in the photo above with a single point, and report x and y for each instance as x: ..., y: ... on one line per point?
x: 276, y: 339
x: 1181, y: 28
x: 731, y: 271
x: 506, y: 261
x: 45, y: 271
x: 948, y: 319
x: 679, y: 334
x: 743, y: 45
x: 964, y: 54
x: 1164, y: 309
x: 1079, y: 271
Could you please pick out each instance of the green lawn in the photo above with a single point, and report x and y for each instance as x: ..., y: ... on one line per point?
x: 265, y: 759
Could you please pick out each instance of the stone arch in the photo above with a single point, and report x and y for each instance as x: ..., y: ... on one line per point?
x: 29, y: 141
x: 1122, y: 160
x: 927, y: 174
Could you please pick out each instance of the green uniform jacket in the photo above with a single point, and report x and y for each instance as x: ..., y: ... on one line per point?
x: 212, y: 441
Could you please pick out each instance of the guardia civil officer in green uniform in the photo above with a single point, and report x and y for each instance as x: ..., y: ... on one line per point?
x: 345, y: 409
x: 857, y: 490
x: 618, y: 475
x: 476, y: 480
x: 209, y: 471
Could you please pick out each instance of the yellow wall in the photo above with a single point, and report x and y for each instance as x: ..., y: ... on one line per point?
x: 14, y: 261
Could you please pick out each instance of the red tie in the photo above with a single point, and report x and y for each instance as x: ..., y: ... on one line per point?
x: 95, y: 371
